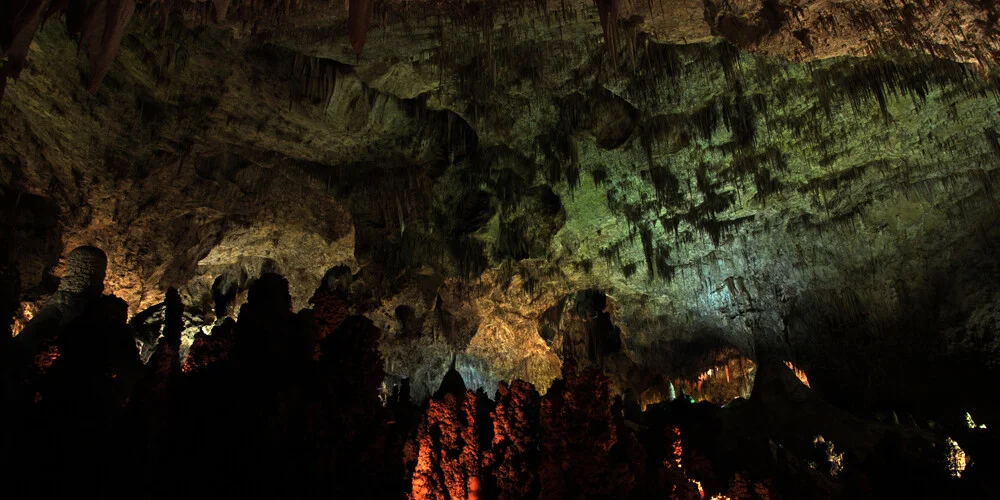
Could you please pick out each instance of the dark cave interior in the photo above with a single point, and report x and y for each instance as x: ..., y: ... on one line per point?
x: 726, y: 249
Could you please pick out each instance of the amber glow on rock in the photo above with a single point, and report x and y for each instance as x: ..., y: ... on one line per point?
x: 21, y: 320
x: 799, y: 374
x: 45, y: 358
x: 553, y: 446
x: 732, y: 377
x: 957, y: 460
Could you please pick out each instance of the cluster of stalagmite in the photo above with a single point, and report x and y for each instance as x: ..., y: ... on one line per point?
x: 290, y: 404
x: 291, y: 397
x: 573, y: 442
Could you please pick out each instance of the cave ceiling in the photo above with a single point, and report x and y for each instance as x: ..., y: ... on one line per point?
x: 805, y: 179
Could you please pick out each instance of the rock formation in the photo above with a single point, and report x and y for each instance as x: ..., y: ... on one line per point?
x: 738, y: 173
x: 82, y: 283
x: 682, y: 198
x: 515, y: 440
x: 315, y: 426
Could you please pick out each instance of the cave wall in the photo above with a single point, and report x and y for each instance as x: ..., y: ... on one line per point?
x: 731, y: 175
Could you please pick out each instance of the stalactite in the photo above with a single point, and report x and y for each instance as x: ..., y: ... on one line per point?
x: 470, y: 254
x: 739, y: 117
x: 646, y: 236
x: 671, y: 225
x: 359, y: 15
x: 664, y: 182
x: 892, y: 75
x: 705, y: 120
x: 608, y: 12
x: 25, y: 18
x: 220, y: 9
x: 838, y: 180
x: 118, y: 13
x: 629, y: 270
x: 613, y: 253
x: 729, y: 59
x: 100, y: 25
x: 993, y: 140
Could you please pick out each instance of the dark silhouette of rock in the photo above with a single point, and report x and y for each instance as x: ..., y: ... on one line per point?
x: 10, y: 289
x: 331, y: 309
x: 81, y: 399
x: 15, y: 388
x: 452, y: 383
x: 154, y: 416
x: 268, y: 335
x: 82, y: 282
x: 295, y: 412
x: 207, y: 350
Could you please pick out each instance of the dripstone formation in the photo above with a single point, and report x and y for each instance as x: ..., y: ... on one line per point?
x: 511, y: 249
x: 294, y: 409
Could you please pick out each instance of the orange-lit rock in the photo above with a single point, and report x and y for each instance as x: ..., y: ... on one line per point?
x: 673, y: 476
x: 578, y: 405
x: 731, y: 377
x: 799, y: 374
x: 449, y: 460
x: 515, y: 440
x: 48, y: 355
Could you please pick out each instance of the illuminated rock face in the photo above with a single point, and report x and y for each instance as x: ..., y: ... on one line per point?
x: 449, y: 464
x: 85, y: 272
x: 566, y: 444
x: 804, y: 183
x: 515, y: 442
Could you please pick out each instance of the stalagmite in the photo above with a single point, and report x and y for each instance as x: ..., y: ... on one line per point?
x: 515, y: 442
x: 729, y: 227
x: 581, y: 406
x: 82, y: 283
